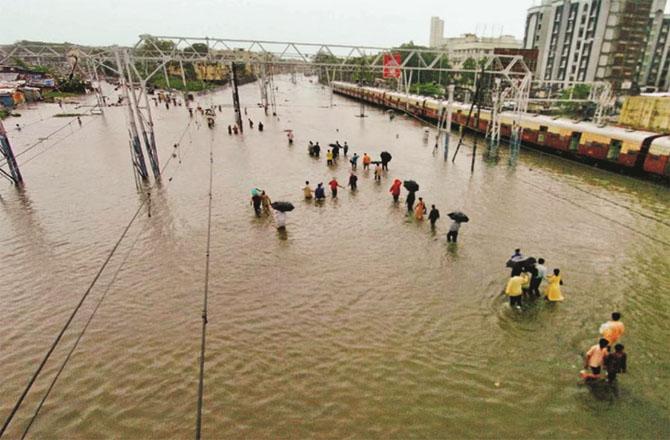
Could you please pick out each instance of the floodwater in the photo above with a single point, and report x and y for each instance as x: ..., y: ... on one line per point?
x: 358, y: 322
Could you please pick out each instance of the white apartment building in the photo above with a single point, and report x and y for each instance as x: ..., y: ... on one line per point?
x: 656, y: 66
x: 589, y: 40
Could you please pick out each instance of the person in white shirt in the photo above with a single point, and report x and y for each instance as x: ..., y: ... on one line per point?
x: 280, y: 219
x: 541, y: 273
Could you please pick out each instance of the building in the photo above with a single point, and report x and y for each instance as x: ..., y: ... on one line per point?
x: 655, y: 67
x: 472, y: 46
x: 436, y: 32
x: 590, y: 40
x: 468, y: 45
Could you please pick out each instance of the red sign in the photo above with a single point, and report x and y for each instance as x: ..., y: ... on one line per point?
x: 391, y: 65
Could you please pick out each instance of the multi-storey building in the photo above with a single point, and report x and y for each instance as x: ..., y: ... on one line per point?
x: 656, y: 65
x: 436, y: 32
x: 590, y: 40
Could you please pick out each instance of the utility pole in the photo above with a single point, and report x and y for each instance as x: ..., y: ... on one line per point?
x: 151, y: 148
x: 236, y: 98
x: 167, y: 78
x: 138, y: 157
x: 450, y: 101
x: 6, y: 149
x: 183, y: 76
x: 153, y: 160
x: 98, y: 89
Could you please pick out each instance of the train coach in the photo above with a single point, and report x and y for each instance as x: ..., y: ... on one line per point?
x: 612, y: 147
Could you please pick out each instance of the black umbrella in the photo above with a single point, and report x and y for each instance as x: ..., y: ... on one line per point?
x: 376, y: 162
x: 386, y: 156
x: 333, y: 145
x: 411, y: 185
x: 282, y: 206
x: 458, y: 217
x: 528, y: 261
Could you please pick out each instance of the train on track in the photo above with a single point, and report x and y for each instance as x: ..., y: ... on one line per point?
x: 636, y: 152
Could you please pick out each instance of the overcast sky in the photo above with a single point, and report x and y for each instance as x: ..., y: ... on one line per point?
x: 369, y: 22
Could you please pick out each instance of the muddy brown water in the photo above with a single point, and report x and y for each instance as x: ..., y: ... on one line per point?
x: 358, y: 322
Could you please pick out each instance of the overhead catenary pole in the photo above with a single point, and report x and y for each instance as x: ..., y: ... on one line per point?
x: 98, y: 89
x: 165, y: 73
x: 183, y: 76
x: 236, y: 98
x: 6, y: 150
x: 475, y: 101
x: 493, y: 132
x: 153, y: 152
x: 138, y: 156
x: 447, y: 133
x: 153, y: 159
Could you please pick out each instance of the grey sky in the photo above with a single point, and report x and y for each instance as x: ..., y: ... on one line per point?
x: 371, y: 22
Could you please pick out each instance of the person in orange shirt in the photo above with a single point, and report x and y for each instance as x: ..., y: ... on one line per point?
x: 612, y: 330
x: 595, y: 357
x: 366, y: 161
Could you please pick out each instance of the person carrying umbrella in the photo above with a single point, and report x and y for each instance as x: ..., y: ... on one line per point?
x: 410, y: 201
x: 433, y: 216
x: 395, y: 190
x: 333, y: 187
x: 336, y: 150
x: 412, y: 187
x: 458, y: 217
x: 280, y: 209
x: 353, y: 181
x: 452, y: 235
x: 280, y: 219
x: 386, y: 158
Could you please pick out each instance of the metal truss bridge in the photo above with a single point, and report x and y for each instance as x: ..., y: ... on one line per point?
x: 512, y: 78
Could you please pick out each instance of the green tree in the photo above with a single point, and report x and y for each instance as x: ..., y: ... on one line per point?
x: 581, y: 110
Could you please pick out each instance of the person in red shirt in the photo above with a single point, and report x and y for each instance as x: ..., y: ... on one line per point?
x: 333, y: 187
x: 395, y: 190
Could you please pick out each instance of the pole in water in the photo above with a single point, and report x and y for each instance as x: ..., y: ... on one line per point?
x: 236, y: 98
x: 138, y: 157
x: 8, y: 154
x: 474, y: 155
x: 450, y: 100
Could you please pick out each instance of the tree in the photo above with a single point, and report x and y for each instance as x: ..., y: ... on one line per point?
x: 582, y: 110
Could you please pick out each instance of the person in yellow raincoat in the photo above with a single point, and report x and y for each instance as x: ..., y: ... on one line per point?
x: 553, y: 292
x: 420, y: 209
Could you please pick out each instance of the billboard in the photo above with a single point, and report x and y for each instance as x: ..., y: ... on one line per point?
x: 391, y: 63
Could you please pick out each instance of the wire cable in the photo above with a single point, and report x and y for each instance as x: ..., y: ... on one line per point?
x: 37, y: 372
x: 201, y: 379
x: 69, y: 321
x: 81, y: 335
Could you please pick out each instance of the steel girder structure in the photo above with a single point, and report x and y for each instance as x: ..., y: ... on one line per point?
x: 515, y: 79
